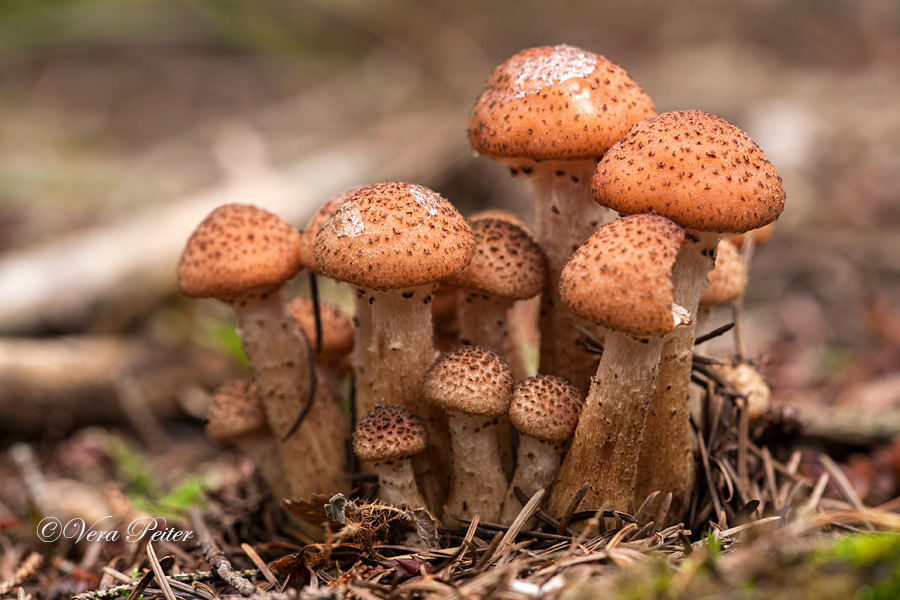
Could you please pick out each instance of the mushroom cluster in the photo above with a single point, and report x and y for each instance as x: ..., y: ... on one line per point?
x: 632, y: 210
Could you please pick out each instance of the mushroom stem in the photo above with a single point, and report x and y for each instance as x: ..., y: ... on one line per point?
x: 483, y: 321
x: 313, y: 456
x: 478, y: 483
x: 537, y: 464
x: 607, y: 442
x: 397, y: 483
x: 668, y: 462
x: 565, y: 216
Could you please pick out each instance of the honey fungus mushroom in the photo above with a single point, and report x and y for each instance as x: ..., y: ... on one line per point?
x: 388, y: 436
x: 549, y: 113
x: 709, y: 177
x: 243, y: 255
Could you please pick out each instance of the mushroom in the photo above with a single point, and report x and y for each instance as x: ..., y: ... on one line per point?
x: 709, y: 177
x: 236, y: 416
x: 473, y: 386
x: 620, y: 279
x: 337, y: 330
x: 243, y: 255
x: 544, y: 409
x: 388, y: 436
x: 507, y: 266
x: 727, y: 280
x: 550, y: 113
x: 392, y: 241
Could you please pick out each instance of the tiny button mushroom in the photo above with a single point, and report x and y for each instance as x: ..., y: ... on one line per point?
x: 388, y: 436
x: 474, y: 386
x: 544, y: 409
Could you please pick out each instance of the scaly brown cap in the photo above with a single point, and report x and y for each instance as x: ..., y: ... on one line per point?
x: 394, y: 235
x: 507, y: 263
x: 760, y: 236
x: 545, y: 407
x: 389, y: 432
x: 337, y: 330
x: 238, y: 249
x: 621, y: 277
x: 471, y: 380
x: 694, y: 168
x: 308, y: 235
x: 727, y: 279
x: 235, y: 410
x: 555, y: 103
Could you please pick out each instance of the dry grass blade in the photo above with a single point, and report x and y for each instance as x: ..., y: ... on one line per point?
x: 523, y: 517
x: 31, y: 564
x: 159, y: 573
x: 260, y: 564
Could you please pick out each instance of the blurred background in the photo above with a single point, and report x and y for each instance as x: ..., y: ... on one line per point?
x: 123, y: 122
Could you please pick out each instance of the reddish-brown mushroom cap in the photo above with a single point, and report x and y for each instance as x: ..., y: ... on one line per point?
x: 389, y: 432
x: 471, y: 380
x: 728, y: 278
x: 337, y: 330
x: 507, y: 263
x: 621, y: 277
x: 308, y: 235
x: 545, y: 407
x: 393, y: 235
x: 760, y: 236
x: 555, y: 103
x: 237, y: 249
x: 694, y: 168
x: 235, y: 410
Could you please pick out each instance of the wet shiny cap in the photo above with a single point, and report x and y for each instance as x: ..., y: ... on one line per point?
x: 389, y: 432
x: 507, y: 263
x: 545, y: 407
x: 727, y: 279
x: 621, y: 278
x: 235, y: 410
x: 393, y: 235
x: 238, y: 249
x: 693, y: 168
x: 308, y: 235
x: 472, y: 380
x: 555, y: 103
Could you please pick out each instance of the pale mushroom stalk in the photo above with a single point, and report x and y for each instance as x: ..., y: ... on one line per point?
x: 483, y: 321
x: 537, y: 462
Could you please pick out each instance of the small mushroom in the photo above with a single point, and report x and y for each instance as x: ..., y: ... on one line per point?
x: 549, y: 113
x: 727, y: 281
x: 544, y: 409
x: 473, y: 386
x: 388, y: 436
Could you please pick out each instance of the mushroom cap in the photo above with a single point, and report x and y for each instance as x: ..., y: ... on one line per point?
x: 694, y: 168
x: 760, y: 236
x: 337, y: 330
x: 621, y: 277
x: 545, y: 407
x: 394, y: 235
x: 308, y: 235
x: 555, y: 103
x: 507, y: 263
x: 238, y: 249
x: 727, y: 279
x: 471, y: 380
x: 235, y: 410
x: 389, y: 432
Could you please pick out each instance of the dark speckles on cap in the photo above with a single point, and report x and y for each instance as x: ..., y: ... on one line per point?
x: 545, y: 407
x: 470, y: 379
x: 389, y: 432
x: 507, y: 263
x: 393, y: 235
x: 621, y: 277
x: 236, y: 249
x: 694, y: 168
x: 555, y: 103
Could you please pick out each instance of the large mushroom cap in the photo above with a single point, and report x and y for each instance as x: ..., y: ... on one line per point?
x: 621, y: 277
x: 237, y: 249
x: 694, y: 168
x: 389, y: 432
x: 393, y: 235
x: 507, y: 263
x: 545, y: 407
x: 235, y: 410
x: 472, y: 380
x: 555, y: 103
